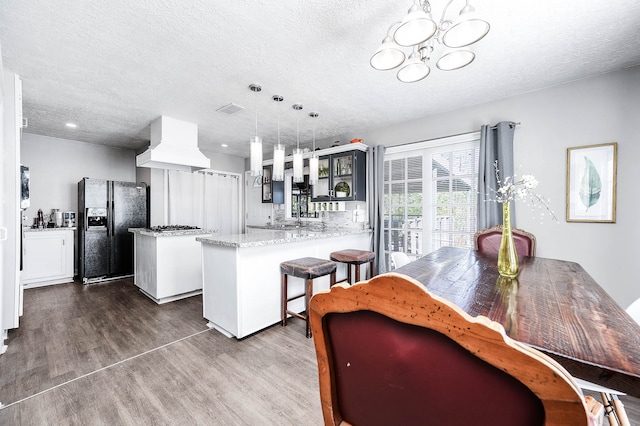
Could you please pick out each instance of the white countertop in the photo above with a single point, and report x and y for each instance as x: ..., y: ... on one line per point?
x: 60, y: 228
x: 273, y: 237
x: 177, y: 233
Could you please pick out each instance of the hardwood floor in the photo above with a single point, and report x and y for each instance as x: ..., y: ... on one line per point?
x: 105, y: 354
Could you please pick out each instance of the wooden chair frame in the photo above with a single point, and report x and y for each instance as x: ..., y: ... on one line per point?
x: 498, y: 230
x: 401, y: 298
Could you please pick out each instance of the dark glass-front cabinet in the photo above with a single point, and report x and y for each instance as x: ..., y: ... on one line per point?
x: 272, y: 191
x: 341, y: 177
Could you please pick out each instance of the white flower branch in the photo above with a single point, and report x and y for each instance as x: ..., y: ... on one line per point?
x: 521, y: 189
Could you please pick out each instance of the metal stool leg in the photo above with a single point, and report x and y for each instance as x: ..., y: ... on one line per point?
x: 370, y: 269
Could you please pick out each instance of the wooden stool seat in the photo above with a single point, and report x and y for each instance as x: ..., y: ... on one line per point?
x: 307, y: 268
x: 356, y: 258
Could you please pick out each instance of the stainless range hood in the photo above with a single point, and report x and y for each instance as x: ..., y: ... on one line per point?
x: 174, y: 146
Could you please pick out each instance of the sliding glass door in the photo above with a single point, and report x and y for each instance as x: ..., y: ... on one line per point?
x: 431, y: 195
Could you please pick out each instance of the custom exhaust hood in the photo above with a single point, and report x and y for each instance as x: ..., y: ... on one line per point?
x: 174, y: 146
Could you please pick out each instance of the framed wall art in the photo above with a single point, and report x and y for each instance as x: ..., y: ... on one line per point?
x: 591, y: 183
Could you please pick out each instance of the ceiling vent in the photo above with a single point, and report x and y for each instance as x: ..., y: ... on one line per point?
x: 230, y: 108
x: 173, y: 146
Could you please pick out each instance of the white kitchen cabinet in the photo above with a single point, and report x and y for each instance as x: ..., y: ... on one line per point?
x: 47, y: 257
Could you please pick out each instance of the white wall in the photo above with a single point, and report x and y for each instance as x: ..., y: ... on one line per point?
x: 225, y: 163
x: 585, y: 112
x: 57, y: 165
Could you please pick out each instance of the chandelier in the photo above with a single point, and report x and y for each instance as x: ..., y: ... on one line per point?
x: 420, y: 32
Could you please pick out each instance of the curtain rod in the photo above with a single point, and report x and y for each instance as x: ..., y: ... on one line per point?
x: 513, y: 123
x: 218, y: 173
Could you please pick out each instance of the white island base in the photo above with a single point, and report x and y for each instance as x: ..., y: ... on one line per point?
x: 168, y: 266
x: 242, y: 284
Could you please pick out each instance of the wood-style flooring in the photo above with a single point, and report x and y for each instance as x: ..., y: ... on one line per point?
x: 104, y: 354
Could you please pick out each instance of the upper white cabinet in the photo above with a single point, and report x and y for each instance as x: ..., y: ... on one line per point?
x: 47, y: 257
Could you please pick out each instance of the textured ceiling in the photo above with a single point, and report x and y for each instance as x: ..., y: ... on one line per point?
x: 114, y: 66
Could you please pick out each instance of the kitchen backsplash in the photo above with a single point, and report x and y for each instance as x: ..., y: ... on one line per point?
x: 334, y: 219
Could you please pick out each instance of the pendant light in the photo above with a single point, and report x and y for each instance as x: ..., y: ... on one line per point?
x: 313, y: 160
x: 298, y: 173
x: 278, y: 149
x: 256, y: 141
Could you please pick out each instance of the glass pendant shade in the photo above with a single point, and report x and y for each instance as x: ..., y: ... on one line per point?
x: 466, y: 29
x: 414, y: 70
x: 417, y: 27
x: 256, y: 156
x: 455, y: 59
x: 388, y: 55
x: 278, y: 163
x: 298, y: 172
x: 313, y: 169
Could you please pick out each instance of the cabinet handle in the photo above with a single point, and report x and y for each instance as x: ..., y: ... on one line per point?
x: 3, y: 234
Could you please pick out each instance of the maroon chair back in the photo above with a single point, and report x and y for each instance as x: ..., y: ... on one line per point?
x: 488, y: 241
x: 389, y: 352
x: 391, y: 373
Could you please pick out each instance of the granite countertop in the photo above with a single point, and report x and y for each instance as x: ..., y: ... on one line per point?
x: 274, y: 237
x: 60, y: 228
x: 181, y: 232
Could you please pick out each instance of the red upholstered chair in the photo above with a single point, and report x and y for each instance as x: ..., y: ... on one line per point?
x: 390, y: 353
x: 488, y: 241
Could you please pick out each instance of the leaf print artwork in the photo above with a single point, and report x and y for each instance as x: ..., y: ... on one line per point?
x: 591, y: 185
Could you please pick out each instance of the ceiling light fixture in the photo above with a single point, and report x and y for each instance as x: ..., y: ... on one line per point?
x: 71, y: 125
x: 298, y: 165
x: 278, y: 149
x: 419, y: 31
x: 313, y: 160
x: 256, y: 141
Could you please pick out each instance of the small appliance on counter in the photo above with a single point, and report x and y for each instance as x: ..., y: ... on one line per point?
x: 38, y: 221
x: 56, y: 217
x: 68, y: 219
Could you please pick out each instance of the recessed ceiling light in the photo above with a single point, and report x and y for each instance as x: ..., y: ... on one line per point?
x: 224, y: 145
x: 73, y: 126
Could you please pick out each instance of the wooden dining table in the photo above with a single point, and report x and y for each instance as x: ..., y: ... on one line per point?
x: 553, y: 305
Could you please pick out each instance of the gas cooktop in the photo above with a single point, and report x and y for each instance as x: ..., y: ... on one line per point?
x: 165, y: 228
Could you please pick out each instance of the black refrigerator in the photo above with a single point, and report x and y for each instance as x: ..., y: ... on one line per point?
x: 106, y: 210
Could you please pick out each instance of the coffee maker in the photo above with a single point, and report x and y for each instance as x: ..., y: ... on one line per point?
x: 68, y: 219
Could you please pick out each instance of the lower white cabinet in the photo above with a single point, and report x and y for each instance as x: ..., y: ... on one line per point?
x: 47, y: 257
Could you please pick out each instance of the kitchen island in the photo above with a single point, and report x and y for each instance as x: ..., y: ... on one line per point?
x: 167, y: 264
x: 241, y: 272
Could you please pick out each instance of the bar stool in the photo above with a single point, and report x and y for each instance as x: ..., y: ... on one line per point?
x: 307, y: 268
x: 356, y: 258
